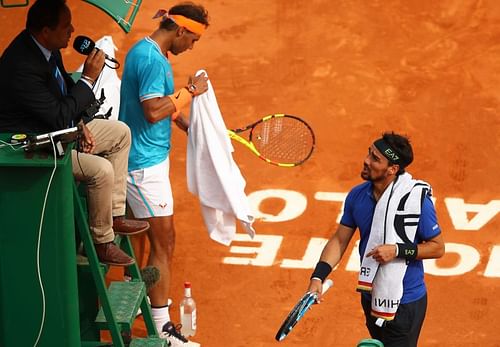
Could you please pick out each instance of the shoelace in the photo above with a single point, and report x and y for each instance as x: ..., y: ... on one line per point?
x: 175, y: 331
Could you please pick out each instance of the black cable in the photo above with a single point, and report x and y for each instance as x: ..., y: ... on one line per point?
x: 116, y: 66
x: 80, y: 165
x: 96, y: 85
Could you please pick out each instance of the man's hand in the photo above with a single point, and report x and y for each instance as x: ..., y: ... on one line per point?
x: 383, y: 253
x: 200, y: 83
x: 87, y: 141
x: 182, y: 122
x: 315, y: 286
x: 94, y: 64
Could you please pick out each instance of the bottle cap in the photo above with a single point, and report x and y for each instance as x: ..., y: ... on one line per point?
x: 187, y: 284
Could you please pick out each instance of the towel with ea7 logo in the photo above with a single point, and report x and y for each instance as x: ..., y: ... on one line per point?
x: 395, y: 220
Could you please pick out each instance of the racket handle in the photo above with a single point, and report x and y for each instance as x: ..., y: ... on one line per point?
x: 326, y: 285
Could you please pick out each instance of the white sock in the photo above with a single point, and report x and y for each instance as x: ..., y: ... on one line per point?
x: 161, y: 315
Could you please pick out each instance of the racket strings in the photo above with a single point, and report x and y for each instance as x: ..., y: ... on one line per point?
x: 283, y: 140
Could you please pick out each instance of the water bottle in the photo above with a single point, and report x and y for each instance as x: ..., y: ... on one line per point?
x: 188, y: 312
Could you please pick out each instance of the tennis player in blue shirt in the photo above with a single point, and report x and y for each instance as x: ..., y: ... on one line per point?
x: 384, y: 171
x: 149, y: 104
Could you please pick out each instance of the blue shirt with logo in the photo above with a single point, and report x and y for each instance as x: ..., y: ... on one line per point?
x: 359, y: 208
x: 147, y: 74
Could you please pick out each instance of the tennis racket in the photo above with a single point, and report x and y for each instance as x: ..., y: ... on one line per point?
x: 278, y: 139
x: 299, y: 310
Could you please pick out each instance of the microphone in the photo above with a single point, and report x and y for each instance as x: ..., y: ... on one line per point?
x: 85, y: 45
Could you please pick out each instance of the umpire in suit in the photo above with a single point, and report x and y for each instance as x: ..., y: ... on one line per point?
x: 37, y: 96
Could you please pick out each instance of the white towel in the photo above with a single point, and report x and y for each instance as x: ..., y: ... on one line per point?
x: 108, y: 80
x: 400, y: 205
x: 212, y: 174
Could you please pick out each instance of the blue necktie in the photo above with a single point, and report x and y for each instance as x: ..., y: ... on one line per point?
x: 59, y: 78
x: 57, y: 74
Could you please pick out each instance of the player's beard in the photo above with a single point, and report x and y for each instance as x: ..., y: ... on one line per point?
x: 367, y: 175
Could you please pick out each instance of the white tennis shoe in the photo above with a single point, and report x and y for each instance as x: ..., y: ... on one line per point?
x: 174, y: 336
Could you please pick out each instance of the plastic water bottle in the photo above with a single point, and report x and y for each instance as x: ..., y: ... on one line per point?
x: 188, y: 312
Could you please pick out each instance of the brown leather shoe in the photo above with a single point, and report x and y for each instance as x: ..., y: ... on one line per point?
x: 111, y: 254
x: 123, y: 226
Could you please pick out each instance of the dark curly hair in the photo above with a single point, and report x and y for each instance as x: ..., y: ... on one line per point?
x: 401, y: 144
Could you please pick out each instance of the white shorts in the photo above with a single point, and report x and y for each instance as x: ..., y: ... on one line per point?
x: 149, y: 193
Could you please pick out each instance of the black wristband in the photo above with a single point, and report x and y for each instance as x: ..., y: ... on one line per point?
x: 322, y: 270
x: 407, y: 251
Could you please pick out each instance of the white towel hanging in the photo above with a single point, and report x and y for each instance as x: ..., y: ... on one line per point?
x: 212, y: 174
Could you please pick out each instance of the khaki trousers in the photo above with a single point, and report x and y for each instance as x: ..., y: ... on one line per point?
x: 105, y: 174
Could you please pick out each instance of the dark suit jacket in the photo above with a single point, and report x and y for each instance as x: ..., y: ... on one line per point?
x: 30, y: 98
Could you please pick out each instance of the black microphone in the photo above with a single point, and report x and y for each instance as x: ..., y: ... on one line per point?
x: 85, y: 45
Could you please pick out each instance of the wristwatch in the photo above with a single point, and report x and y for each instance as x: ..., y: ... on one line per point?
x: 191, y: 88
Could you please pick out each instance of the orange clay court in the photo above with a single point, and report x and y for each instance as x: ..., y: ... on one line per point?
x: 351, y: 69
